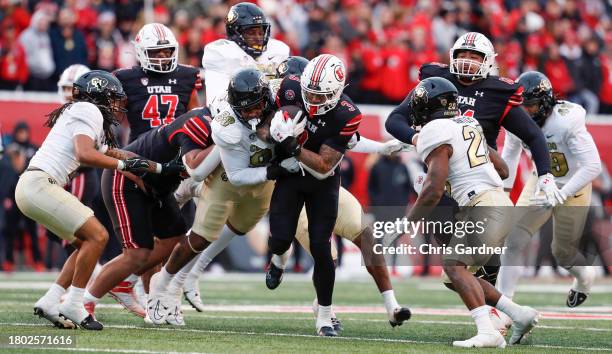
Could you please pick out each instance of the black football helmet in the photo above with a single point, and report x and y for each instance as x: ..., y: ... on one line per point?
x: 248, y: 90
x: 433, y: 98
x: 100, y: 88
x: 293, y: 65
x: 537, y: 90
x: 241, y: 17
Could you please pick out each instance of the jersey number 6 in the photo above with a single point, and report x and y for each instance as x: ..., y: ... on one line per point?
x: 151, y: 109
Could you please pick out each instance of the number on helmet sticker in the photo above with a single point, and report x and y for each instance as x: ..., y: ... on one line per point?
x: 151, y: 109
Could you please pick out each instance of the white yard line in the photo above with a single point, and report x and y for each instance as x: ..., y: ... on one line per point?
x: 128, y: 351
x: 295, y: 335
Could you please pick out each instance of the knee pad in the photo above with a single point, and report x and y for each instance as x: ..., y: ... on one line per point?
x: 277, y: 246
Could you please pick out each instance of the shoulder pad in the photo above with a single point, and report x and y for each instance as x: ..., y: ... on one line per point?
x: 573, y: 116
x: 227, y: 135
x: 277, y: 48
x: 434, y: 70
x: 434, y: 134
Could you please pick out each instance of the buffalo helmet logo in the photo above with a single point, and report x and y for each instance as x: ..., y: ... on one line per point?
x: 97, y: 84
x: 420, y: 93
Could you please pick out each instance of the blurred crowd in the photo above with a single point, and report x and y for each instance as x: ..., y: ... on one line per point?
x: 382, y: 42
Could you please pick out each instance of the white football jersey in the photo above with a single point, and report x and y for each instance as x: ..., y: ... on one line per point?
x: 243, y: 154
x: 470, y: 170
x: 566, y: 137
x: 224, y: 57
x: 56, y: 156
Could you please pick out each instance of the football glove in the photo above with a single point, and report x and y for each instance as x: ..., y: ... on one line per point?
x: 291, y: 164
x: 419, y: 180
x: 136, y: 165
x: 275, y: 171
x: 393, y: 146
x: 281, y: 128
x: 173, y: 168
x: 290, y: 147
x: 552, y: 195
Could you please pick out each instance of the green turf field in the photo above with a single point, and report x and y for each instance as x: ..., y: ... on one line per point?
x: 244, y: 318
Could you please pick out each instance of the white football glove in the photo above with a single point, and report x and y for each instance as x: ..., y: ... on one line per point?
x: 419, y: 180
x: 281, y: 128
x: 299, y: 126
x: 291, y: 164
x: 393, y: 146
x: 553, y: 195
x: 353, y: 142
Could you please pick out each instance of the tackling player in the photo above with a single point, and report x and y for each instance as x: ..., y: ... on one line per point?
x: 458, y: 160
x: 575, y: 164
x: 80, y: 134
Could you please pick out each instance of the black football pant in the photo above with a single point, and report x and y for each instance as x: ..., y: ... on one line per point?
x: 320, y: 198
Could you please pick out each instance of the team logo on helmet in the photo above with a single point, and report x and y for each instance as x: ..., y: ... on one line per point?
x: 544, y: 86
x: 339, y: 73
x: 97, y: 84
x: 232, y: 16
x: 290, y: 95
x: 420, y: 93
x: 144, y: 81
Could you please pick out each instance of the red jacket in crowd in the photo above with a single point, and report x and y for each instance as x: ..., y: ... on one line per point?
x: 559, y: 76
x: 13, y: 63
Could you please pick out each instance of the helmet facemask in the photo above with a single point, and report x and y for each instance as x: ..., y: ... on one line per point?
x: 161, y: 59
x: 320, y: 102
x: 470, y: 68
x: 255, y: 41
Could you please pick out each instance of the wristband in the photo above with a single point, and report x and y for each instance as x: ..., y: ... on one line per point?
x: 120, y: 165
x: 158, y: 168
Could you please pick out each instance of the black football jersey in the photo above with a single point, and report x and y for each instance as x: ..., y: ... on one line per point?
x: 488, y: 100
x: 334, y: 128
x: 188, y: 132
x: 155, y: 99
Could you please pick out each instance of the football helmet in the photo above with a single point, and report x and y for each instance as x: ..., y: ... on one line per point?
x: 475, y: 42
x: 537, y: 90
x: 322, y: 83
x: 67, y: 79
x: 100, y: 88
x: 242, y: 17
x: 433, y: 98
x: 248, y: 93
x: 293, y: 65
x: 152, y: 38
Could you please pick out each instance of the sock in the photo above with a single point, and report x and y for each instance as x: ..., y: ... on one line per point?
x: 163, y: 279
x: 584, y: 278
x: 508, y: 278
x: 482, y: 319
x: 390, y: 301
x: 54, y: 293
x: 212, y: 251
x: 132, y: 278
x: 510, y: 308
x: 90, y: 298
x: 179, y: 278
x: 281, y: 261
x: 324, y: 316
x: 75, y: 295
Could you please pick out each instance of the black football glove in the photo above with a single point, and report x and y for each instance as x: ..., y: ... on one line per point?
x: 136, y: 165
x: 290, y: 147
x: 173, y: 168
x: 275, y: 171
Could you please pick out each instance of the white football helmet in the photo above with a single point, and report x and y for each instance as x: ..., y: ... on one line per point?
x: 476, y: 42
x: 155, y: 36
x: 322, y: 83
x: 68, y: 77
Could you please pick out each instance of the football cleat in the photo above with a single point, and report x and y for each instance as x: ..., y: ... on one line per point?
x: 337, y: 325
x: 575, y: 298
x: 157, y: 310
x: 521, y: 327
x: 274, y: 276
x: 124, y: 294
x: 140, y: 294
x: 500, y: 320
x: 400, y: 315
x: 51, y: 313
x: 482, y: 340
x: 175, y: 316
x: 327, y: 331
x: 79, y: 317
x: 194, y: 299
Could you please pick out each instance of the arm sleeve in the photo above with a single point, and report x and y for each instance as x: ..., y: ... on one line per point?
x: 367, y: 146
x: 399, y: 123
x: 211, y: 161
x: 581, y: 144
x: 236, y: 166
x: 518, y: 122
x: 511, y: 153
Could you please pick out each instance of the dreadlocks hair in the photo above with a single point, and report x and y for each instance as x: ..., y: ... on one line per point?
x: 107, y: 114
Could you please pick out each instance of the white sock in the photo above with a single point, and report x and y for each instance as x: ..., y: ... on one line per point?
x: 482, y: 319
x: 324, y: 316
x: 510, y: 308
x: 163, y: 279
x: 508, y: 278
x: 132, y: 278
x: 179, y: 278
x: 281, y: 261
x: 390, y: 301
x: 90, y: 298
x: 584, y: 277
x: 213, y: 250
x: 75, y: 295
x: 54, y: 293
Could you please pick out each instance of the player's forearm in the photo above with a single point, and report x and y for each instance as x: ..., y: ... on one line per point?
x: 324, y: 162
x: 206, y: 166
x: 500, y: 165
x: 120, y: 154
x: 368, y: 146
x: 247, y: 176
x: 520, y: 124
x: 587, y: 172
x: 400, y: 128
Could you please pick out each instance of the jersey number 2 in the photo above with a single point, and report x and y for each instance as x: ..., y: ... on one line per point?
x: 475, y: 136
x: 151, y: 109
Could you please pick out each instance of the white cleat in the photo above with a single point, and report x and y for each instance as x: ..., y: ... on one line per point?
x: 175, y: 317
x: 157, y: 310
x: 482, y: 340
x: 50, y: 312
x: 500, y: 320
x: 522, y: 326
x: 193, y: 298
x: 124, y: 294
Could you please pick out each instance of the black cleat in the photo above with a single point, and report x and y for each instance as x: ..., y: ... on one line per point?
x: 274, y: 276
x: 399, y: 316
x: 575, y: 298
x: 327, y: 332
x: 57, y: 322
x: 337, y: 325
x: 89, y: 323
